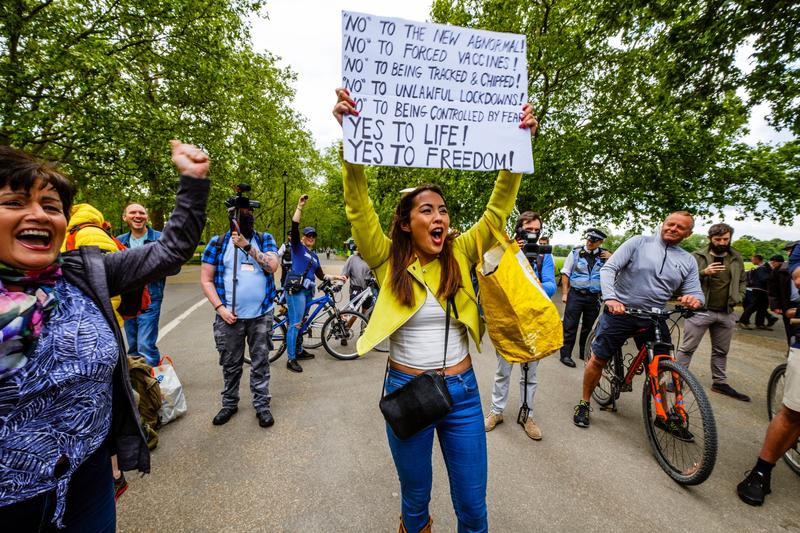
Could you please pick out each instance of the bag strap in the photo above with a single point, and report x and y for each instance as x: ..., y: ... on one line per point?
x: 450, y: 301
x: 446, y: 332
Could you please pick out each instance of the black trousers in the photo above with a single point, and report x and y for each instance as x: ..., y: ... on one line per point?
x: 579, y: 305
x: 759, y: 306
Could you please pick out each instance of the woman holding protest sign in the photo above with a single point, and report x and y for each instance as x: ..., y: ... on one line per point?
x: 423, y: 270
x: 66, y: 402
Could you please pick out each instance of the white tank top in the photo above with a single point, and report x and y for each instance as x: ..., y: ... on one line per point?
x: 419, y: 343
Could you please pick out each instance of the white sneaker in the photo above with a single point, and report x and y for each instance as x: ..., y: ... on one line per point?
x: 491, y: 420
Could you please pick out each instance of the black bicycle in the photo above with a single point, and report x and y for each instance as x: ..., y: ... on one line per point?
x: 678, y: 419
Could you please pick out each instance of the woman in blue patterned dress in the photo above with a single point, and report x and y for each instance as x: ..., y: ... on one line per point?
x: 66, y: 403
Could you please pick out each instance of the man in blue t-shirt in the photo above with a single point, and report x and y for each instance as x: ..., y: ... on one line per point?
x: 255, y: 258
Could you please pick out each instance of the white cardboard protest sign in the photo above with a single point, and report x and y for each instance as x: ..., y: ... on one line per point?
x: 434, y: 96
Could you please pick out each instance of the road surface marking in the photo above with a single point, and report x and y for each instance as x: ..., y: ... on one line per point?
x: 174, y: 324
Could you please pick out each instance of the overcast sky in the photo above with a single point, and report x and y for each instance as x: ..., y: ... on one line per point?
x: 306, y: 36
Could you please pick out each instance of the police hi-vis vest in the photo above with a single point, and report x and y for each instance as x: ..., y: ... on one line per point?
x: 581, y: 277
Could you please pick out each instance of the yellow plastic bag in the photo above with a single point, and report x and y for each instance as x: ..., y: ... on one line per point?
x: 522, y: 321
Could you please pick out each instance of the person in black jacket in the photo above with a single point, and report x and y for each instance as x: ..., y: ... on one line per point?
x: 760, y: 299
x: 779, y: 288
x: 66, y: 402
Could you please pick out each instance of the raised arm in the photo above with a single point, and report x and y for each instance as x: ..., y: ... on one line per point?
x: 501, y: 202
x: 138, y: 266
x: 366, y: 227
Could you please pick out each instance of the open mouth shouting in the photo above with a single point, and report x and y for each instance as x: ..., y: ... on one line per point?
x: 437, y: 237
x: 37, y: 240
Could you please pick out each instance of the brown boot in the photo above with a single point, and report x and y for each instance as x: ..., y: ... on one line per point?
x: 426, y: 529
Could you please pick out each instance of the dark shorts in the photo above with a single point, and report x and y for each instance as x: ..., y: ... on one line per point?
x: 614, y: 330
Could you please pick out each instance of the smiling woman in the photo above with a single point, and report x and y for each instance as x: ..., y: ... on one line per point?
x: 56, y: 321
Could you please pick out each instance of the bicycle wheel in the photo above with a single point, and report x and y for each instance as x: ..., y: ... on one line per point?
x: 312, y: 338
x: 685, y: 445
x: 278, y: 342
x: 775, y: 404
x: 340, y: 333
x: 606, y: 390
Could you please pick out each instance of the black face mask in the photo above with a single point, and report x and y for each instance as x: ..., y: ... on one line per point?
x: 720, y: 250
x: 246, y: 225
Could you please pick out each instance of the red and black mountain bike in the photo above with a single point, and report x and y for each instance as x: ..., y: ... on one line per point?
x: 677, y: 414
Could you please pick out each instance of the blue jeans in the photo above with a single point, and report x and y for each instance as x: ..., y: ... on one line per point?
x: 297, y: 308
x: 90, y: 502
x: 463, y: 441
x: 142, y: 333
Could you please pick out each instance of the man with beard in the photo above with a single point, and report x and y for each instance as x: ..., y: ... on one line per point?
x: 723, y: 282
x: 243, y: 303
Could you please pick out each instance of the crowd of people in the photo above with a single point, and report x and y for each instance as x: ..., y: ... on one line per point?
x: 57, y: 286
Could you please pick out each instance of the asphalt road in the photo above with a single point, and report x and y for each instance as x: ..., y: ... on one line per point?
x: 325, y: 466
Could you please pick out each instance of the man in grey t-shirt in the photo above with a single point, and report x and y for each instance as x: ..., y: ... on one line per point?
x: 643, y: 273
x: 357, y: 272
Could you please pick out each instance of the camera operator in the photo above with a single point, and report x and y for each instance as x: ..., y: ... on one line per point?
x: 581, y: 292
x: 528, y: 230
x: 236, y: 276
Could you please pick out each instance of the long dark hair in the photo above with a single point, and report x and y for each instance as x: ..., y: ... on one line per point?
x: 402, y: 253
x: 20, y: 171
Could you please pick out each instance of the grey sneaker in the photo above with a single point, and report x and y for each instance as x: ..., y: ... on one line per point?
x: 532, y: 430
x: 491, y: 420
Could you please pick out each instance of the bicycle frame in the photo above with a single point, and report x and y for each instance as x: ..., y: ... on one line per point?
x: 648, y: 353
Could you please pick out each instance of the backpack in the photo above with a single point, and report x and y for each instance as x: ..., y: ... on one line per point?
x: 149, y: 401
x: 134, y: 302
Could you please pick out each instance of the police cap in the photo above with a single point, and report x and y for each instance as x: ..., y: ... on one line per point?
x: 595, y: 234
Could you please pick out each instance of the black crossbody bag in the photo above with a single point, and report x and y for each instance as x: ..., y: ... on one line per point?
x: 421, y: 402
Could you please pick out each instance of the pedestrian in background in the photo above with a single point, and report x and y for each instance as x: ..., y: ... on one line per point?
x: 142, y: 330
x: 528, y: 224
x: 759, y: 277
x: 580, y: 282
x: 722, y: 278
x: 305, y: 266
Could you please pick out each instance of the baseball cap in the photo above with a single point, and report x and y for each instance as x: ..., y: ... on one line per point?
x: 308, y: 230
x: 595, y: 234
x: 791, y: 245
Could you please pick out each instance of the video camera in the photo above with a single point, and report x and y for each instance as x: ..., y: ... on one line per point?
x: 531, y: 247
x: 239, y: 201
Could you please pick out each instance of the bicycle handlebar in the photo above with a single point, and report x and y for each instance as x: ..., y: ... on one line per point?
x: 656, y: 313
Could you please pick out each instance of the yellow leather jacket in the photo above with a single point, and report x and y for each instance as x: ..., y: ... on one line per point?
x: 389, y: 314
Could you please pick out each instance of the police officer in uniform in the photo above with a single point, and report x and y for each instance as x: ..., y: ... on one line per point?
x: 581, y: 291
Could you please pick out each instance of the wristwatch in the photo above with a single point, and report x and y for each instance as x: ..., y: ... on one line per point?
x: 247, y: 248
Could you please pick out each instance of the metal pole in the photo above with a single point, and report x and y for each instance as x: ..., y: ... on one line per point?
x: 283, y: 235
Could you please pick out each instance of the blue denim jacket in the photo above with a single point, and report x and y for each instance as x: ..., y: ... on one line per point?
x: 156, y: 288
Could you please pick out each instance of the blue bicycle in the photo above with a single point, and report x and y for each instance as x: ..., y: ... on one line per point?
x: 324, y: 324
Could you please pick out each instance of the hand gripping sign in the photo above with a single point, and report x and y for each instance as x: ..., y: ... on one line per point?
x: 434, y: 96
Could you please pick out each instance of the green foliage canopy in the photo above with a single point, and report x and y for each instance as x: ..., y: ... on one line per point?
x: 102, y: 85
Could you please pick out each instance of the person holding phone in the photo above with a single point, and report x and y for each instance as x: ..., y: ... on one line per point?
x: 299, y: 284
x: 723, y: 282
